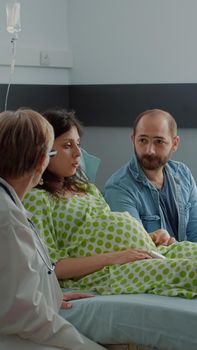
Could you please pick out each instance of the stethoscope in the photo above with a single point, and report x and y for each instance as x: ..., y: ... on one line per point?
x: 45, y: 258
x: 50, y: 266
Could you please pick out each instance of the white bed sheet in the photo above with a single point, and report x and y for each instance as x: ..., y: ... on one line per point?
x: 166, y: 323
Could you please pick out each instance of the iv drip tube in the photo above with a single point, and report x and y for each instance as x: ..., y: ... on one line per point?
x: 13, y: 27
x: 12, y: 65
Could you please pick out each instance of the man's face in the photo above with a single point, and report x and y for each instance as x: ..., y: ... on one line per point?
x: 153, y: 142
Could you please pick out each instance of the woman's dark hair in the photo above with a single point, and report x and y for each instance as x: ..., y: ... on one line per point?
x: 62, y: 121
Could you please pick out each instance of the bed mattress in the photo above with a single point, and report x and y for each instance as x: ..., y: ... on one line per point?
x: 164, y: 323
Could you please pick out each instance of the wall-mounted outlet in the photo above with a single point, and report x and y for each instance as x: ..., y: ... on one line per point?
x: 44, y: 58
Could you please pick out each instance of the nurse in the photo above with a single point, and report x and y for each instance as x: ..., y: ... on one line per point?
x: 30, y: 297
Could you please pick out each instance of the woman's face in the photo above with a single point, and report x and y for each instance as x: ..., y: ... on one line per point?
x: 66, y: 161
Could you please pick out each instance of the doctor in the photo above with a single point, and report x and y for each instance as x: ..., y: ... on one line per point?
x: 30, y: 296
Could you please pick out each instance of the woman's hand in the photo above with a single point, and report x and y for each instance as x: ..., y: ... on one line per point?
x: 162, y: 237
x: 73, y: 296
x: 83, y: 266
x: 126, y: 256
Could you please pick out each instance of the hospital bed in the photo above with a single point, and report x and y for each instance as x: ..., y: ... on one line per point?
x: 137, y: 321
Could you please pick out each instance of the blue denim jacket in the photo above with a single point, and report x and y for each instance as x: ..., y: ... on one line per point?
x: 128, y: 189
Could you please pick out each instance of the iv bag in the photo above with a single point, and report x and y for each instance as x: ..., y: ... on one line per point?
x: 13, y: 17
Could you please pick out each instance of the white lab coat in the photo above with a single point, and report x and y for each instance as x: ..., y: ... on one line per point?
x: 30, y: 298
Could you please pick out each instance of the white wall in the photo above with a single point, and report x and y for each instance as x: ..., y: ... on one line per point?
x: 44, y: 27
x: 112, y: 41
x: 133, y: 41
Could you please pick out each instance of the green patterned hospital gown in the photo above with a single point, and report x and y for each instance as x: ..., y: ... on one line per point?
x: 85, y: 225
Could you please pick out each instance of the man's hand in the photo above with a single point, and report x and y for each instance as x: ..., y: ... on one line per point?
x: 73, y: 296
x: 172, y: 240
x: 161, y: 237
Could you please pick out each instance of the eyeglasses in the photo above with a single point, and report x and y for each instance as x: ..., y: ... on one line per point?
x: 52, y: 153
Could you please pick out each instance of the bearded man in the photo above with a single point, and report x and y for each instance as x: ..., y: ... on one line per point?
x: 159, y: 192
